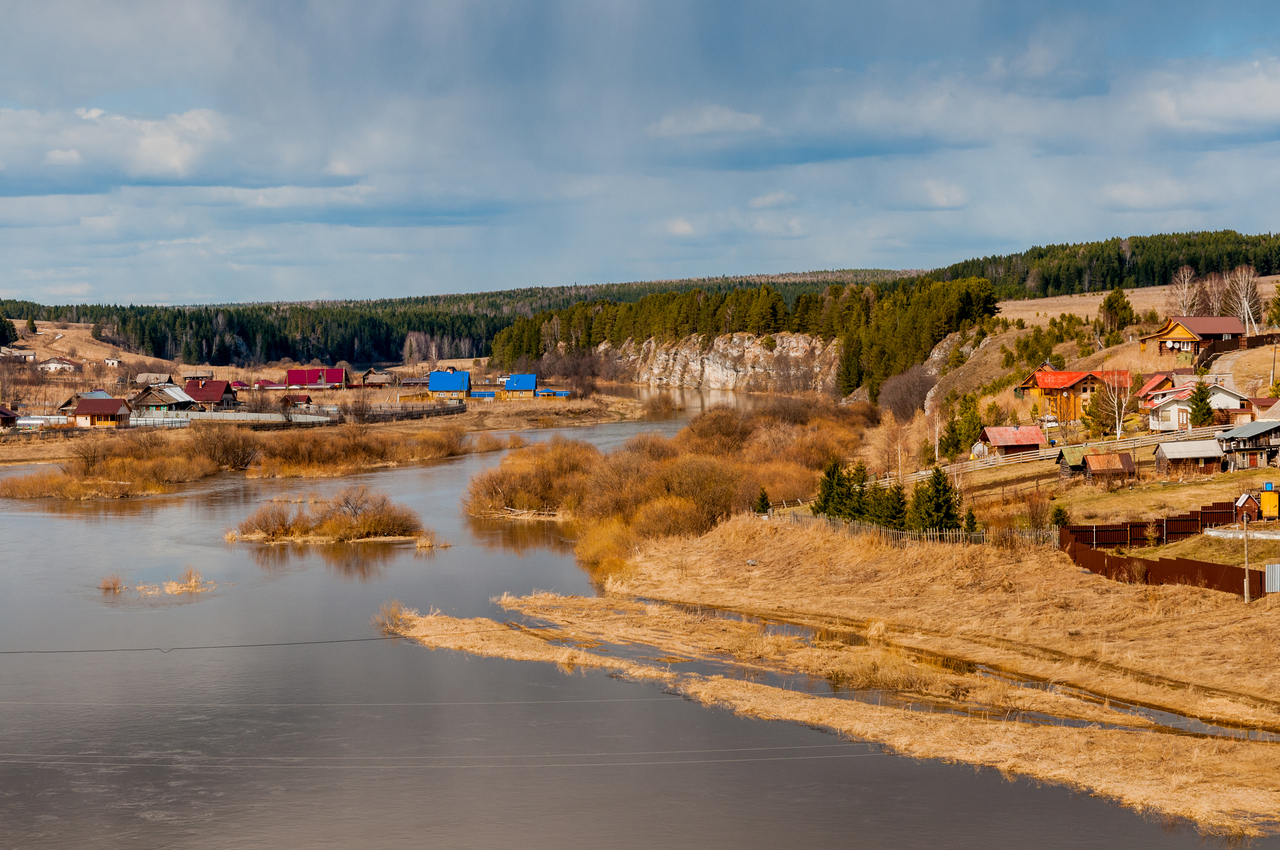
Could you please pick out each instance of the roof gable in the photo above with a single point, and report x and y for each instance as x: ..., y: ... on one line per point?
x: 1014, y: 435
x: 449, y: 382
x: 520, y: 383
x: 102, y: 407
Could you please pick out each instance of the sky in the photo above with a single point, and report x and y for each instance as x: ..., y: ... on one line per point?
x: 215, y: 152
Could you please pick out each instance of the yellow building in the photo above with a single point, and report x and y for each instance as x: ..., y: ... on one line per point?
x: 1066, y: 395
x: 1189, y: 334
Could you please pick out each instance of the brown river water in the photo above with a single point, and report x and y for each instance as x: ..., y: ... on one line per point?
x: 278, y: 718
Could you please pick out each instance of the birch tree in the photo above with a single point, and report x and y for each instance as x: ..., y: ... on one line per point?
x: 1243, y: 296
x: 1183, y: 297
x: 1215, y: 295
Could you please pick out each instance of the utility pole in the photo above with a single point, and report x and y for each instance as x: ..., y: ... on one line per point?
x: 1246, y: 556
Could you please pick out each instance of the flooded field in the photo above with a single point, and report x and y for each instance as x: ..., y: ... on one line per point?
x: 268, y: 711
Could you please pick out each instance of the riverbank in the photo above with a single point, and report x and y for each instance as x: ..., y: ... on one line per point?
x: 481, y: 416
x: 909, y: 625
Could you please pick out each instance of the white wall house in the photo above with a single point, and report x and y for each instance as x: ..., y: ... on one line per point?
x: 1170, y: 410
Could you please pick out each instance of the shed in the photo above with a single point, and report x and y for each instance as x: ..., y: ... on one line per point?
x: 1071, y: 460
x: 146, y: 379
x: 1109, y: 467
x: 1013, y: 439
x: 1189, y: 457
x: 1247, y: 505
x: 295, y: 400
x: 7, y: 417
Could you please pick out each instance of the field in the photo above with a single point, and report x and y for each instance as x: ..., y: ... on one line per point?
x: 1038, y: 311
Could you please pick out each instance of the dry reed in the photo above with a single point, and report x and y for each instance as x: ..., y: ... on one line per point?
x: 354, y: 513
x: 113, y: 584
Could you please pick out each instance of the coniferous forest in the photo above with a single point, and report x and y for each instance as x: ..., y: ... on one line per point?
x: 887, y: 323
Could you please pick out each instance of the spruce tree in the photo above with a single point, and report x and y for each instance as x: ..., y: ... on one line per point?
x: 935, y: 504
x: 830, y: 489
x: 8, y: 333
x: 1201, y: 412
x: 762, y: 502
x: 849, y: 377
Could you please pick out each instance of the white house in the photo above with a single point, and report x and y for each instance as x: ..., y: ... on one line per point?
x: 1170, y: 410
x: 58, y: 364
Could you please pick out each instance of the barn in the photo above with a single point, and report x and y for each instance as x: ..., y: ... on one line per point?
x: 1189, y: 457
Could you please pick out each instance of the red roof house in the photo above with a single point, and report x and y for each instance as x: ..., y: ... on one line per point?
x: 211, y: 395
x: 1013, y: 439
x: 102, y: 413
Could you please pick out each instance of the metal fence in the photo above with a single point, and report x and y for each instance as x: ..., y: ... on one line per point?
x: 896, y: 537
x: 1131, y: 570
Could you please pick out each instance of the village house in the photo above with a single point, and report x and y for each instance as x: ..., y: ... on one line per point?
x: 112, y: 362
x: 211, y: 395
x: 374, y: 378
x: 146, y: 379
x: 67, y: 408
x: 449, y: 385
x: 520, y: 386
x: 295, y: 400
x: 8, y: 418
x: 1251, y: 446
x: 22, y: 355
x: 162, y: 398
x: 1189, y: 334
x: 1170, y: 410
x: 1012, y: 439
x: 1188, y: 457
x: 1064, y: 394
x: 58, y: 364
x: 197, y: 375
x: 101, y: 413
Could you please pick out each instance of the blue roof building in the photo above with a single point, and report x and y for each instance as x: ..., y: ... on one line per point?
x: 522, y: 383
x: 456, y: 384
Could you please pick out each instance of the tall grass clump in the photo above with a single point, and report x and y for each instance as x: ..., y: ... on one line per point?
x: 654, y: 487
x: 355, y: 513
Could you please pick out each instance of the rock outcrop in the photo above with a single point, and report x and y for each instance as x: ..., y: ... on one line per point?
x: 744, y: 362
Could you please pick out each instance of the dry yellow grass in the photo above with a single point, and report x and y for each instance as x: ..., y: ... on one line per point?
x: 353, y: 514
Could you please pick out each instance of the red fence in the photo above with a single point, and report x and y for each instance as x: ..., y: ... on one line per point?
x: 1162, y: 571
x: 1157, y: 531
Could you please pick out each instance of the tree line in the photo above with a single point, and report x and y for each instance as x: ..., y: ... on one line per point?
x: 1129, y: 263
x: 884, y: 328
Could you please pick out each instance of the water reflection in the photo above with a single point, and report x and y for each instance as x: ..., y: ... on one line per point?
x: 521, y: 537
x: 355, y: 562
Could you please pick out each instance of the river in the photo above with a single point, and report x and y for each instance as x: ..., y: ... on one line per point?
x: 376, y: 743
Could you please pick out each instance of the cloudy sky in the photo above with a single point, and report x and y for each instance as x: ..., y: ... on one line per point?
x: 180, y: 153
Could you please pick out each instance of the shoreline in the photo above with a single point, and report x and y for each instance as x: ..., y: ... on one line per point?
x: 937, y: 625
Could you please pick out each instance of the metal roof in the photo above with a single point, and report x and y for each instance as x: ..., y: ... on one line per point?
x: 1110, y: 463
x: 1014, y: 435
x: 1251, y: 429
x: 519, y: 383
x: 1190, y: 449
x: 449, y: 382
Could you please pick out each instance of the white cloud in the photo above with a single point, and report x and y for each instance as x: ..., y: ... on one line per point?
x: 773, y: 199
x: 1154, y: 194
x: 941, y: 194
x: 68, y: 157
x: 680, y: 227
x: 708, y: 119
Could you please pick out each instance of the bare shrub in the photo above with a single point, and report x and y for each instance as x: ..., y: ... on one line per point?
x: 719, y: 431
x: 448, y: 442
x: 667, y: 516
x: 652, y: 446
x: 89, y: 453
x: 904, y: 394
x: 1037, y: 509
x: 604, y: 546
x: 227, y: 446
x: 486, y: 442
x: 355, y: 513
x: 113, y: 584
x: 660, y: 407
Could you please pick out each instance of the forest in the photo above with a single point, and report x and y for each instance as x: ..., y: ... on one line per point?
x: 1129, y: 263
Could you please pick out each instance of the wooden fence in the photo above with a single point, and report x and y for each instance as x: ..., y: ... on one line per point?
x: 1160, y: 571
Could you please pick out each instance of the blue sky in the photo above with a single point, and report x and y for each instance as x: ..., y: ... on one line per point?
x: 181, y: 153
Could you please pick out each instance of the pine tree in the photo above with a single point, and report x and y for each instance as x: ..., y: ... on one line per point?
x: 887, y: 506
x: 935, y: 504
x: 853, y: 501
x: 31, y: 325
x: 762, y: 502
x: 8, y: 333
x: 970, y: 522
x: 1201, y: 412
x: 849, y: 377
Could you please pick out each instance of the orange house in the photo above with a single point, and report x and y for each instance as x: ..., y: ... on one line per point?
x: 1067, y: 394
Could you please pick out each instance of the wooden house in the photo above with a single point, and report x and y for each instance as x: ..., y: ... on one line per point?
x: 102, y: 413
x: 146, y: 379
x: 1170, y: 410
x: 1012, y: 439
x: 1071, y: 460
x: 68, y: 407
x: 374, y: 378
x: 1066, y: 394
x: 162, y: 398
x: 1251, y: 446
x: 296, y: 400
x: 1190, y: 334
x: 1189, y: 457
x: 8, y: 418
x: 212, y: 395
x: 520, y: 386
x: 449, y: 385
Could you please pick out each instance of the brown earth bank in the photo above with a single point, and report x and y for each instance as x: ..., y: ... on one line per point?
x: 908, y: 624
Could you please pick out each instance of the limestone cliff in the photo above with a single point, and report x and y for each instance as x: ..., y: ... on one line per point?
x: 796, y: 363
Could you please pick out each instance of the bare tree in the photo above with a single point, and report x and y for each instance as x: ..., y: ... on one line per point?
x: 905, y: 393
x: 1215, y: 295
x: 1243, y: 300
x: 1116, y: 398
x: 1183, y: 297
